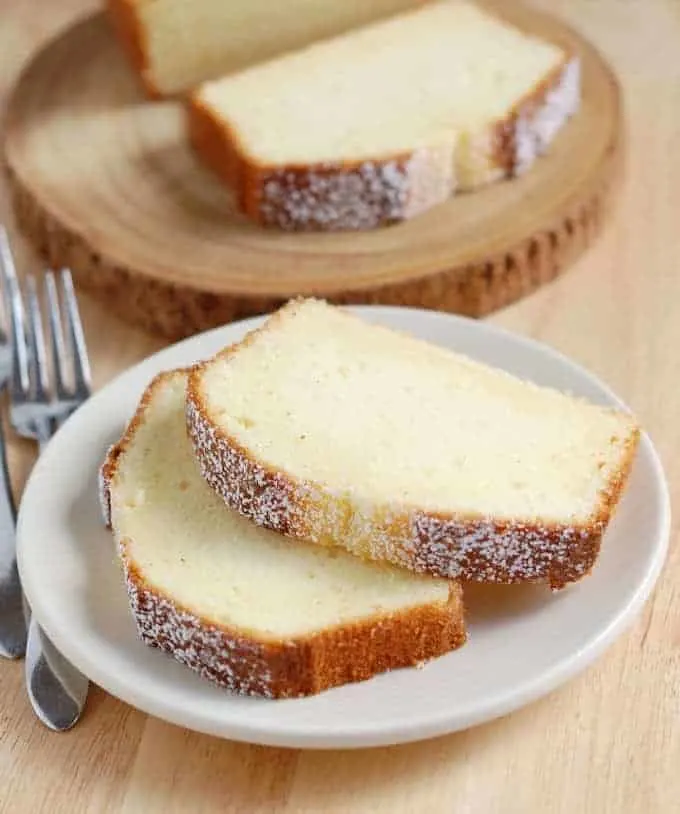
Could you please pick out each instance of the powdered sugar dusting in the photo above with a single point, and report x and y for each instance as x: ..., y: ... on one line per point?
x: 268, y: 499
x: 332, y: 196
x: 472, y: 549
x: 236, y: 664
x: 535, y: 131
x: 103, y: 488
x: 255, y: 665
x: 491, y: 552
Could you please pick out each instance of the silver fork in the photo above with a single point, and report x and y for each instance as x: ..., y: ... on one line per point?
x: 57, y: 690
x: 13, y: 628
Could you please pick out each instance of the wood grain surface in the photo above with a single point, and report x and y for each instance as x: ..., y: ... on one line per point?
x: 609, y: 741
x: 104, y: 181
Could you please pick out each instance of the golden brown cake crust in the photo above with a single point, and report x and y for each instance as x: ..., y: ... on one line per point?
x: 321, y: 197
x: 248, y: 664
x: 217, y: 150
x: 453, y: 546
x: 374, y: 192
x: 297, y: 667
x: 127, y: 25
x: 505, y: 131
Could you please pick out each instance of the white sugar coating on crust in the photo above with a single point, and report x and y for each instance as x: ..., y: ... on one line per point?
x: 481, y: 551
x: 531, y: 131
x: 477, y: 551
x: 432, y: 178
x: 180, y: 536
x: 271, y: 501
x: 557, y: 536
x: 250, y: 610
x: 103, y: 489
x: 344, y: 134
x: 103, y: 494
x: 360, y: 409
x: 368, y: 195
x: 333, y: 197
x: 535, y: 132
x: 235, y: 664
x: 518, y: 553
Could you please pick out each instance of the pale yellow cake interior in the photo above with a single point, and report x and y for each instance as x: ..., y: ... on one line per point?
x: 390, y: 420
x: 190, y: 546
x: 422, y: 78
x: 189, y: 41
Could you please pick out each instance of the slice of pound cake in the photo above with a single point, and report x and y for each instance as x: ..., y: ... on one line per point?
x: 176, y: 44
x: 251, y: 610
x: 381, y: 123
x: 326, y: 428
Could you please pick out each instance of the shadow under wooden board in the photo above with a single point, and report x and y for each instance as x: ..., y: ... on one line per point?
x: 104, y: 181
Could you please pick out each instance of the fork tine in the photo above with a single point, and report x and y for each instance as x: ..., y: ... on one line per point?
x: 57, y: 336
x: 14, y: 305
x: 37, y: 363
x: 81, y: 364
x: 38, y: 356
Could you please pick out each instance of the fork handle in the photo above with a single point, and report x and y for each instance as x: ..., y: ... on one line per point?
x: 57, y: 690
x: 12, y: 619
x: 14, y: 611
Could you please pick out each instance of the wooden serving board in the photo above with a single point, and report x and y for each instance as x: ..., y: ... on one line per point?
x: 103, y: 181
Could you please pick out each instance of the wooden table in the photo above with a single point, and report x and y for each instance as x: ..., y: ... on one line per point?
x: 607, y: 742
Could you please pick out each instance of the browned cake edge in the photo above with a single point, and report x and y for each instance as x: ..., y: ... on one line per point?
x: 521, y: 123
x: 128, y: 28
x: 247, y: 664
x: 449, y: 545
x: 322, y: 197
x: 369, y: 193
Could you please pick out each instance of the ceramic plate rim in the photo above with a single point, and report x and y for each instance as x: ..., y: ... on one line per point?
x: 356, y: 736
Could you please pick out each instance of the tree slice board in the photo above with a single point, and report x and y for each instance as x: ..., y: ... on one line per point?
x: 104, y: 181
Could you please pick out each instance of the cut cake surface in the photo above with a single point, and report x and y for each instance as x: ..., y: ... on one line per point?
x: 177, y: 44
x: 249, y: 609
x: 383, y: 122
x: 324, y: 427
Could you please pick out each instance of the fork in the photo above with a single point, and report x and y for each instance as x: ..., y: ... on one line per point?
x: 57, y: 690
x: 12, y: 615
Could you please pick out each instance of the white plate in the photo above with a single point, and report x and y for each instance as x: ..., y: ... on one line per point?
x: 524, y: 641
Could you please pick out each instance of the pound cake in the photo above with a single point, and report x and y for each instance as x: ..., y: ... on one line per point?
x: 323, y: 427
x: 381, y: 123
x: 176, y: 44
x: 252, y: 611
